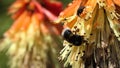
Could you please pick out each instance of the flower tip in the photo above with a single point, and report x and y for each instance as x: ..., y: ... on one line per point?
x: 58, y: 20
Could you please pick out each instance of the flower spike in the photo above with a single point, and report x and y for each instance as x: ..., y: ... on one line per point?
x: 32, y: 41
x: 99, y: 25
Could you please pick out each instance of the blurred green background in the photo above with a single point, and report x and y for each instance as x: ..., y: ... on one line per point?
x: 6, y: 21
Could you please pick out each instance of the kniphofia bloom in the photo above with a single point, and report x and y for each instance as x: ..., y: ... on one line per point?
x: 30, y: 40
x: 99, y: 23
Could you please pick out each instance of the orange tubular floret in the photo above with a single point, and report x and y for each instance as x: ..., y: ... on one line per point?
x: 89, y: 7
x: 17, y: 24
x: 71, y: 24
x: 18, y: 13
x: 26, y: 21
x: 69, y: 11
x: 117, y: 2
x: 35, y: 20
x: 91, y: 4
x: 48, y: 14
x: 40, y: 16
x: 109, y: 3
x: 16, y: 5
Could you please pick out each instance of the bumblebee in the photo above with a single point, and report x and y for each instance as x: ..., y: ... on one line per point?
x: 74, y: 39
x: 80, y: 10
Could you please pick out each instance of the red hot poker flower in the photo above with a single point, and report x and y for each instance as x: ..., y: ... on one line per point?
x: 94, y: 25
x: 31, y: 37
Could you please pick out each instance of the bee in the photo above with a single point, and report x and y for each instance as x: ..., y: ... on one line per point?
x: 74, y: 39
x: 80, y: 10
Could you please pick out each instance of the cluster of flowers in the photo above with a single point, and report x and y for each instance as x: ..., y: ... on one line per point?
x: 30, y: 40
x: 97, y: 24
x: 92, y: 36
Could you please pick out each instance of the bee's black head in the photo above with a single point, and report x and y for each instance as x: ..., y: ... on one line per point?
x: 66, y: 33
